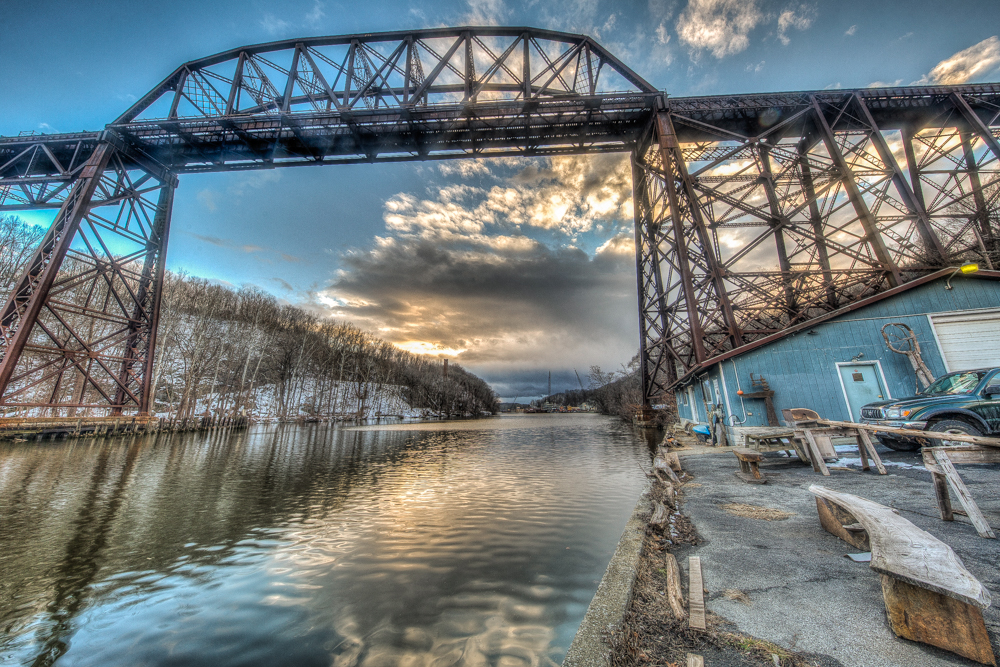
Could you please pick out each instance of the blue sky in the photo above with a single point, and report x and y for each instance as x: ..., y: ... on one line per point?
x: 423, y: 253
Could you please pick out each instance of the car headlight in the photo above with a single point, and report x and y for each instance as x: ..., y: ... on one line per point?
x: 897, y: 413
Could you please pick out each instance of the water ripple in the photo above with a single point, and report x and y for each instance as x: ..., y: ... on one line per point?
x: 418, y: 545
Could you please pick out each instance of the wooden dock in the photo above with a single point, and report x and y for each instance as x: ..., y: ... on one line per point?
x: 40, y: 428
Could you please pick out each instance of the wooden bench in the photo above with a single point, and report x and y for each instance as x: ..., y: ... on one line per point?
x: 929, y: 595
x: 749, y: 465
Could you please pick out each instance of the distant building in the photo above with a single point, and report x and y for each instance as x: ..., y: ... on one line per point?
x: 840, y: 361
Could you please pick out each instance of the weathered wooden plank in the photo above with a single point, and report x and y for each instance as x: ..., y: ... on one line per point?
x: 695, y: 660
x: 815, y: 457
x: 870, y: 446
x: 862, y: 452
x: 962, y: 492
x: 696, y: 594
x: 920, y: 615
x: 835, y: 519
x: 825, y: 443
x: 913, y: 433
x: 963, y: 454
x: 675, y: 595
x: 745, y: 454
x: 906, y: 552
x: 942, y: 496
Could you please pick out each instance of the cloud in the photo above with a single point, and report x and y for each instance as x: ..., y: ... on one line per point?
x: 254, y: 180
x: 506, y: 304
x: 283, y: 284
x: 662, y: 35
x: 316, y: 14
x: 464, y: 168
x: 972, y: 63
x: 493, y: 275
x: 850, y: 31
x: 208, y: 200
x: 274, y: 25
x: 486, y: 12
x: 233, y: 245
x: 563, y: 195
x: 885, y: 84
x: 800, y: 18
x: 718, y: 26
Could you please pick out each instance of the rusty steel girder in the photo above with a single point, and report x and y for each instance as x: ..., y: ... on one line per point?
x: 79, y: 329
x: 757, y: 213
x: 753, y: 213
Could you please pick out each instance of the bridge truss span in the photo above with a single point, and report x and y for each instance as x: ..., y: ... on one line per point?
x: 753, y: 213
x: 757, y: 213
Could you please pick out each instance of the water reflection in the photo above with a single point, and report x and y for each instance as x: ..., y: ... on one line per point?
x: 475, y: 543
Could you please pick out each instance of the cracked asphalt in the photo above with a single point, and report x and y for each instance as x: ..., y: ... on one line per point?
x: 804, y: 593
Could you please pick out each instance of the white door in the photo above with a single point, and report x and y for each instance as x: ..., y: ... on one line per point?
x: 969, y: 340
x: 863, y: 384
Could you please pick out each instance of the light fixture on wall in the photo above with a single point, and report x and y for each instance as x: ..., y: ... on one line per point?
x: 966, y: 269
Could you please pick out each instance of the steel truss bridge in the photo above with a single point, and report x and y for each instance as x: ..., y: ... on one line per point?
x: 753, y: 213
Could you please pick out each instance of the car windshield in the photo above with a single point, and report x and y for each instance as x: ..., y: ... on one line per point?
x: 956, y: 383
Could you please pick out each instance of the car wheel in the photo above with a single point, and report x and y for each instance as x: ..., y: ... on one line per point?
x: 952, y: 426
x: 898, y: 445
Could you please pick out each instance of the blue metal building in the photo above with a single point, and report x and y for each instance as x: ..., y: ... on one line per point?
x: 837, y: 363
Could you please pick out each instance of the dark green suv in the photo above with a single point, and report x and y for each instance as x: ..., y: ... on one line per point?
x: 962, y: 402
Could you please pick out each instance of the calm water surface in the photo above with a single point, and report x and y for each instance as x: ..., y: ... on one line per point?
x: 420, y: 545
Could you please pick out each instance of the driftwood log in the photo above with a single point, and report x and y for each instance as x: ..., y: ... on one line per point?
x: 663, y: 469
x: 675, y: 594
x: 660, y: 515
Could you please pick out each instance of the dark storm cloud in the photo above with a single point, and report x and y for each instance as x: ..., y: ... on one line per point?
x: 498, y: 304
x: 493, y: 274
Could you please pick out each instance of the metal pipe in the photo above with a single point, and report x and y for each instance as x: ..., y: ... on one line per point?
x: 739, y: 392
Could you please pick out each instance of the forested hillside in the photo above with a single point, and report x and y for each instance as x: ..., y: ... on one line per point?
x: 227, y: 353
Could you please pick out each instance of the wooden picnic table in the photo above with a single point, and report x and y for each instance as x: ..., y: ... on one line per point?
x: 768, y: 438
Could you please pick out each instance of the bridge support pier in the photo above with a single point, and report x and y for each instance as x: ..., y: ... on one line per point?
x: 77, y: 334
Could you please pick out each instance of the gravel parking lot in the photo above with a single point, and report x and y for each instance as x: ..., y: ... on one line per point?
x: 801, y: 592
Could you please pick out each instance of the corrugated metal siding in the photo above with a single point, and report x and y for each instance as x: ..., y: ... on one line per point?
x: 801, y: 368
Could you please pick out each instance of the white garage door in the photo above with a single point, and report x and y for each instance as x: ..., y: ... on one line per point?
x: 970, y: 339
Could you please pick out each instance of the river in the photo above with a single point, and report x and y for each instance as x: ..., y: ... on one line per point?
x: 422, y: 544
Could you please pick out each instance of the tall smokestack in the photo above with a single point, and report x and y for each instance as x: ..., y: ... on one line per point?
x: 550, y: 383
x: 445, y: 371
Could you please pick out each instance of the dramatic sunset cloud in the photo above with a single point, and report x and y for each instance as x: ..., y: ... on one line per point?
x: 533, y: 266
x: 972, y: 63
x: 721, y: 27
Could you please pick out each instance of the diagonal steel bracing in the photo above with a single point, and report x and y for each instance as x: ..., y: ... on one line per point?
x: 809, y: 201
x: 753, y: 213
